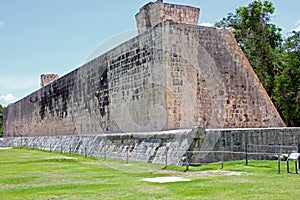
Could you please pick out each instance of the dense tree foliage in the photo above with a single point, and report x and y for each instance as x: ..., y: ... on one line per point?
x: 1, y: 121
x: 275, y: 61
x: 258, y: 38
x: 286, y: 91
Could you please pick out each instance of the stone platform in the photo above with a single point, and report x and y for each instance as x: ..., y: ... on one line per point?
x: 172, y: 147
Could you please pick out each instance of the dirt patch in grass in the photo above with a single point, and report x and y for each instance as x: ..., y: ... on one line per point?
x: 209, y: 173
x: 169, y: 179
x: 5, y: 148
x: 187, y: 176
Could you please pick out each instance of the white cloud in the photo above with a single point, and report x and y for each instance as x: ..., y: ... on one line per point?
x: 1, y: 24
x: 206, y: 24
x: 7, y: 99
x: 12, y: 88
x: 298, y: 26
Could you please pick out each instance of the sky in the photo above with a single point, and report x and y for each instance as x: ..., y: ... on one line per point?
x: 57, y: 36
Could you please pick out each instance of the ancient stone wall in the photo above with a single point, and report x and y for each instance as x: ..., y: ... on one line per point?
x: 152, y: 82
x: 151, y: 147
x: 238, y: 140
x: 168, y: 147
x: 212, y: 82
x: 136, y: 75
x: 112, y: 93
x: 172, y: 76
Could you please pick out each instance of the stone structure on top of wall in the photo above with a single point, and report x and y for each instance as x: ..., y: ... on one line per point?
x: 48, y: 78
x: 173, y: 75
x: 155, y: 13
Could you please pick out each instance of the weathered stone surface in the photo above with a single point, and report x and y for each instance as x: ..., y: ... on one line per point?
x: 172, y: 76
x: 153, y: 13
x: 144, y: 147
x: 195, y: 145
x: 48, y: 78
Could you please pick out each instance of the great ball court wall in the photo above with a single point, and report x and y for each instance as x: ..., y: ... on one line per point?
x: 174, y: 75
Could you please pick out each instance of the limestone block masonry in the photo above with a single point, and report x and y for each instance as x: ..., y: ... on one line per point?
x: 142, y: 147
x: 48, y: 78
x: 154, y: 13
x: 173, y: 75
x: 165, y: 147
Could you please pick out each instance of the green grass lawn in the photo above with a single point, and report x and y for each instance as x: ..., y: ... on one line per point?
x: 34, y: 174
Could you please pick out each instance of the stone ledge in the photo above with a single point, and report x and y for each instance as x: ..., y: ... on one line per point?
x: 203, y: 145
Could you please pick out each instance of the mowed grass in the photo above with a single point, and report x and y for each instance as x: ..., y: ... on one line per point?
x: 34, y: 174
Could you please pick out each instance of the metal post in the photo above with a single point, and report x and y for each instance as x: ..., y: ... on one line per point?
x: 186, y: 162
x: 299, y: 158
x: 186, y: 166
x: 127, y: 149
x: 222, y: 153
x: 246, y: 154
x: 279, y: 163
x: 104, y: 152
x: 85, y: 152
x: 222, y: 164
x: 50, y: 148
x: 288, y: 166
x: 296, y: 167
x: 167, y: 149
x: 60, y: 148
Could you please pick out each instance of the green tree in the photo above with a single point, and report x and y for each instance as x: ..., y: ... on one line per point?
x: 259, y: 39
x: 1, y: 120
x: 287, y: 83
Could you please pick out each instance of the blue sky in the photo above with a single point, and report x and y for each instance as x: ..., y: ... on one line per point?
x: 57, y: 36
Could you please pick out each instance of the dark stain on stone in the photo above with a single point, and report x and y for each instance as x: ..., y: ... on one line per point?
x: 54, y: 98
